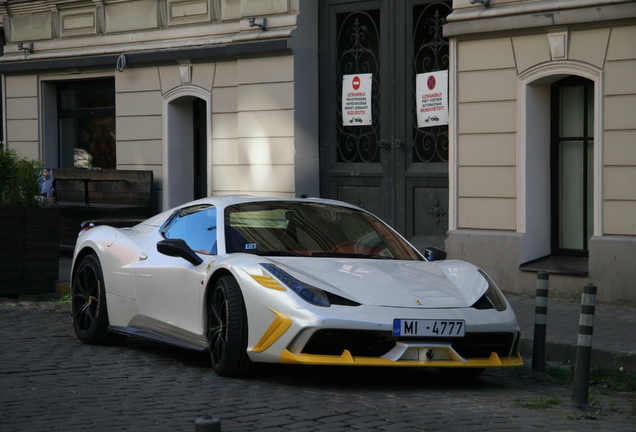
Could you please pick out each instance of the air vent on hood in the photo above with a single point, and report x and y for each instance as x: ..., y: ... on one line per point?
x: 341, y: 301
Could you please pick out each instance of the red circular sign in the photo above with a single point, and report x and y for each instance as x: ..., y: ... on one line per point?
x: 430, y: 82
x: 356, y: 83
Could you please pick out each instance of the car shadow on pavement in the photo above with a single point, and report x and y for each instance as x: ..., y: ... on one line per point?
x: 377, y: 378
x: 326, y: 377
x: 185, y: 357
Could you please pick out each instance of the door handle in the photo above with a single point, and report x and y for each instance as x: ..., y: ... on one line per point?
x: 143, y: 257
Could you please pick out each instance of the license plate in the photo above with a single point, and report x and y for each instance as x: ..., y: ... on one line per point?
x: 433, y: 328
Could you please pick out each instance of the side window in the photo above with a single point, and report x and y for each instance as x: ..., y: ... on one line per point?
x: 572, y: 166
x: 196, y: 225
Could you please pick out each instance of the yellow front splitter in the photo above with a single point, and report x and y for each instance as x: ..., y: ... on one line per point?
x: 346, y: 359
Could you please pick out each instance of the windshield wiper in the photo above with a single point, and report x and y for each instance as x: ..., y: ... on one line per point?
x: 274, y: 253
x: 317, y: 254
x: 348, y: 255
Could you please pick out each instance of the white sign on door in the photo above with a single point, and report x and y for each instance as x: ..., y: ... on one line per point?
x: 356, y: 100
x: 432, y: 99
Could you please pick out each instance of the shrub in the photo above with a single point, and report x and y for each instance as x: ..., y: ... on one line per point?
x: 20, y: 180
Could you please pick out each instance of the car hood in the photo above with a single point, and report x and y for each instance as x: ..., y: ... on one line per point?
x: 438, y: 284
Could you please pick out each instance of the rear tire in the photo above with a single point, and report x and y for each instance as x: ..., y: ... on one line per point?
x: 88, y: 305
x: 227, y: 329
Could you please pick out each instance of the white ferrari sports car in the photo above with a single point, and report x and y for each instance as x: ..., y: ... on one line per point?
x: 283, y: 280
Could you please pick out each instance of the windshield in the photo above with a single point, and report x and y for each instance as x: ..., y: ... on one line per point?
x: 311, y: 229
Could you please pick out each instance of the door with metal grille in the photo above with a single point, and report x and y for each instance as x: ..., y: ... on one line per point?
x: 390, y: 167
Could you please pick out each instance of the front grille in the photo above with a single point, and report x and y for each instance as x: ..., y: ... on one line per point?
x: 362, y: 343
x: 359, y: 343
x: 479, y: 345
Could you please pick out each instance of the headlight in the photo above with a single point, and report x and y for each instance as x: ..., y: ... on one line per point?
x: 492, y: 298
x: 309, y: 293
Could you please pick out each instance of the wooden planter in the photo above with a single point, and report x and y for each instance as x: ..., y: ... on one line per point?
x: 29, y: 250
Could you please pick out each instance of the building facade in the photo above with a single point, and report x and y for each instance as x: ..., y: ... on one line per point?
x: 232, y: 96
x: 543, y: 143
x: 192, y: 90
x: 533, y: 171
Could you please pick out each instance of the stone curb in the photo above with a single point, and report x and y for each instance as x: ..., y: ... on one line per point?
x: 566, y: 354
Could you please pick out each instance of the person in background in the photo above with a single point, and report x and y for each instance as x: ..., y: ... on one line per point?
x: 46, y: 187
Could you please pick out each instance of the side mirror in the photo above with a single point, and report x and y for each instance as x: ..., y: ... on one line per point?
x: 178, y: 248
x: 432, y: 253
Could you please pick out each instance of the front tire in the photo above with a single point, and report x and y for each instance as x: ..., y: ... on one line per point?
x: 88, y: 305
x: 227, y: 329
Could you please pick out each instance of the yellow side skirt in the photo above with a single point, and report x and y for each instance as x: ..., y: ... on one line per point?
x: 346, y: 359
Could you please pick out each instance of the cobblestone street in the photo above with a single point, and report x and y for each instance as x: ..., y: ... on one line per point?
x: 50, y: 382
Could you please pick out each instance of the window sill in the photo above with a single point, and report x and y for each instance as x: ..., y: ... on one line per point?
x: 562, y: 265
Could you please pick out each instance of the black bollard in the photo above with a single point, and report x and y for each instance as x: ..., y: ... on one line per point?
x: 540, y: 323
x: 207, y: 424
x: 580, y: 387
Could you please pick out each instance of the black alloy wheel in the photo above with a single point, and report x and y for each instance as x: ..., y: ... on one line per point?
x: 88, y: 305
x: 227, y: 329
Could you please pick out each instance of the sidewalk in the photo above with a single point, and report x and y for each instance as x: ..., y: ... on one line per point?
x: 613, y: 342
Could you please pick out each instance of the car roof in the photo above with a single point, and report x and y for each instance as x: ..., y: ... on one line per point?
x: 223, y: 201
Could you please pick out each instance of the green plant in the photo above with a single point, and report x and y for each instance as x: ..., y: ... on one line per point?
x: 562, y: 374
x: 619, y: 379
x: 20, y: 180
x: 600, y: 376
x: 64, y: 298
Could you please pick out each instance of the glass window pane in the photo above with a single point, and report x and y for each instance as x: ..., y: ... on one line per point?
x: 197, y: 227
x: 101, y: 132
x: 78, y: 98
x: 67, y: 142
x: 572, y: 116
x: 590, y: 111
x: 86, y: 125
x: 87, y: 142
x: 590, y: 189
x: 310, y: 229
x: 358, y: 51
x: 573, y: 189
x: 571, y: 203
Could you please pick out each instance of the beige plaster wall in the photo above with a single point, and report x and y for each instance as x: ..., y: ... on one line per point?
x: 22, y: 115
x: 487, y: 73
x: 487, y: 76
x: 486, y: 141
x: 253, y: 127
x: 139, y: 127
x: 620, y: 132
x: 252, y: 117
